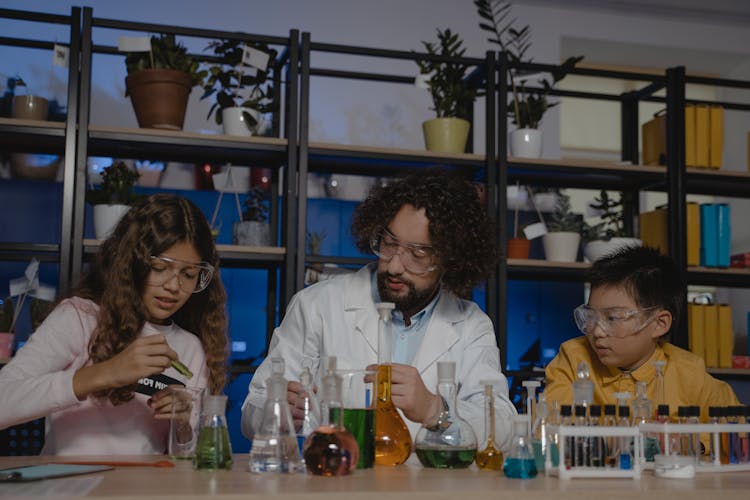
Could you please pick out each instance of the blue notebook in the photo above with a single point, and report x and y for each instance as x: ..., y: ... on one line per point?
x: 709, y: 235
x: 724, y: 234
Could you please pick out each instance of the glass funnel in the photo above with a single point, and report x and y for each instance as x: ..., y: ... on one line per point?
x: 392, y: 437
x: 446, y: 441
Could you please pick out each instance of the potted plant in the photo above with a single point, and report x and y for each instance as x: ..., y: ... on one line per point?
x: 159, y: 83
x: 113, y: 197
x: 528, y: 104
x: 243, y: 94
x: 563, y: 232
x: 609, y: 234
x: 451, y: 95
x: 253, y: 229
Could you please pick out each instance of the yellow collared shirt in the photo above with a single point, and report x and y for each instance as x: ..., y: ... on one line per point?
x: 686, y: 381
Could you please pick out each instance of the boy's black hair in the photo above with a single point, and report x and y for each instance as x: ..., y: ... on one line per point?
x: 652, y: 279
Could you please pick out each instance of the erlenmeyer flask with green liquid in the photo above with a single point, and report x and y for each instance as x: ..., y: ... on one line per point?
x: 392, y: 437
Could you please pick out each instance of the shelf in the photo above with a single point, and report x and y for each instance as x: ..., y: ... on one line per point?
x: 44, y: 252
x: 714, y: 276
x: 585, y: 173
x: 233, y: 255
x: 545, y: 270
x: 186, y: 146
x: 718, y: 182
x: 32, y: 136
x: 733, y: 373
x: 359, y: 160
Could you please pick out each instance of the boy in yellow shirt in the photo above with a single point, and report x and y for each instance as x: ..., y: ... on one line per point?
x: 636, y: 298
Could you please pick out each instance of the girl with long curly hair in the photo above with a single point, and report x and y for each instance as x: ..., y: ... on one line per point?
x: 152, y: 299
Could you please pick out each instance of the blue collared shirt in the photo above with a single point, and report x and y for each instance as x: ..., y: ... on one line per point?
x: 406, y: 339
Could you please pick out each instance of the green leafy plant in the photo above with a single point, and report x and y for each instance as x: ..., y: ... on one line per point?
x: 233, y: 87
x: 612, y: 224
x: 256, y: 205
x: 528, y: 105
x: 166, y: 53
x: 314, y: 241
x: 117, y: 187
x: 451, y: 93
x: 563, y: 219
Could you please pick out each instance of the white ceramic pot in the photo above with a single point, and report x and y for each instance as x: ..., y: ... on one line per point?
x: 595, y: 250
x: 233, y: 121
x: 562, y: 246
x: 106, y: 218
x: 526, y: 143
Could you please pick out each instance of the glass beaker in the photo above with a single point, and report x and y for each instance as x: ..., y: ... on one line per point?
x: 274, y: 446
x: 446, y: 441
x: 213, y: 450
x: 392, y: 437
x: 520, y: 463
x: 331, y: 450
x: 358, y: 398
x: 490, y: 458
x: 184, y: 422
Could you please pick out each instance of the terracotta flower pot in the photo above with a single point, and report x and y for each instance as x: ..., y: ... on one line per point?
x: 159, y: 97
x: 518, y: 248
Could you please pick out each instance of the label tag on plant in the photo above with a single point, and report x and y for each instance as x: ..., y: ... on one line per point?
x: 535, y: 230
x: 422, y: 80
x: 134, y: 44
x: 254, y: 57
x: 60, y: 56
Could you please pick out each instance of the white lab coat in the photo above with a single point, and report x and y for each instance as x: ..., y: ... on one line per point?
x: 338, y: 318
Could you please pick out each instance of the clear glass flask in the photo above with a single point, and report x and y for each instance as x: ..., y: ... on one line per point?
x: 308, y: 401
x: 213, y: 450
x: 490, y: 458
x: 520, y: 464
x: 274, y: 446
x: 392, y: 437
x: 540, y: 438
x: 446, y: 441
x: 331, y: 450
x: 583, y: 387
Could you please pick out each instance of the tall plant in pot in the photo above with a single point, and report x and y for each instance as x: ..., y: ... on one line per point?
x: 451, y: 94
x: 254, y: 229
x: 528, y: 103
x: 159, y: 82
x: 242, y: 93
x: 563, y: 232
x: 113, y: 197
x: 609, y: 234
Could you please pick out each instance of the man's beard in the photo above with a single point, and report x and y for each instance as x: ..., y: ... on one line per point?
x: 412, y: 302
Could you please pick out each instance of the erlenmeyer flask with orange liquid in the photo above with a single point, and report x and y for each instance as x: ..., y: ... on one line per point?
x: 392, y: 437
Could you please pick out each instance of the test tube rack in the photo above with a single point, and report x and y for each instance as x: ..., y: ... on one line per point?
x: 714, y: 430
x: 563, y: 471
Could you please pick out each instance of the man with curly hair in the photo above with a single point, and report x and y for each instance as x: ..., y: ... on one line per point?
x: 434, y: 242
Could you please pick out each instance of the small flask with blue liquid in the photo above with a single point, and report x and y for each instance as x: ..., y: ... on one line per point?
x: 520, y: 463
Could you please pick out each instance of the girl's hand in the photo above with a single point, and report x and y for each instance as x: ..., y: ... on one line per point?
x: 166, y: 401
x: 145, y: 356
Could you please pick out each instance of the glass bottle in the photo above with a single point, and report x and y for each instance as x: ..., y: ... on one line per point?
x: 583, y: 387
x: 310, y: 406
x: 490, y: 458
x: 642, y: 414
x: 724, y: 438
x: 713, y: 418
x: 331, y: 450
x: 625, y: 454
x: 566, y: 418
x: 274, y: 446
x: 596, y: 443
x: 580, y: 449
x: 659, y: 387
x: 213, y: 450
x: 611, y: 444
x: 446, y: 441
x: 539, y: 438
x: 520, y: 462
x: 392, y: 437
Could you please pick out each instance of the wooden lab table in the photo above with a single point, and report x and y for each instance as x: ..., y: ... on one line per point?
x: 410, y: 481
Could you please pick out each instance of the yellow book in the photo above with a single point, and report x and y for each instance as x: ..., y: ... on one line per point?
x: 696, y: 332
x: 711, y: 334
x: 690, y: 159
x: 693, y: 217
x: 716, y: 135
x: 654, y: 141
x: 653, y: 230
x: 701, y: 135
x: 726, y: 336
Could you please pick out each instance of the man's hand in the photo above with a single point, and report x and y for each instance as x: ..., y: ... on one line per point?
x: 409, y: 393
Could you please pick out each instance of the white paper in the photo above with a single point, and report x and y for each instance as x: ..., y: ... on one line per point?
x: 224, y: 182
x: 254, y: 57
x: 32, y: 270
x: 535, y: 230
x: 134, y: 44
x: 19, y: 286
x: 60, y: 54
x: 44, y: 292
x: 422, y: 80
